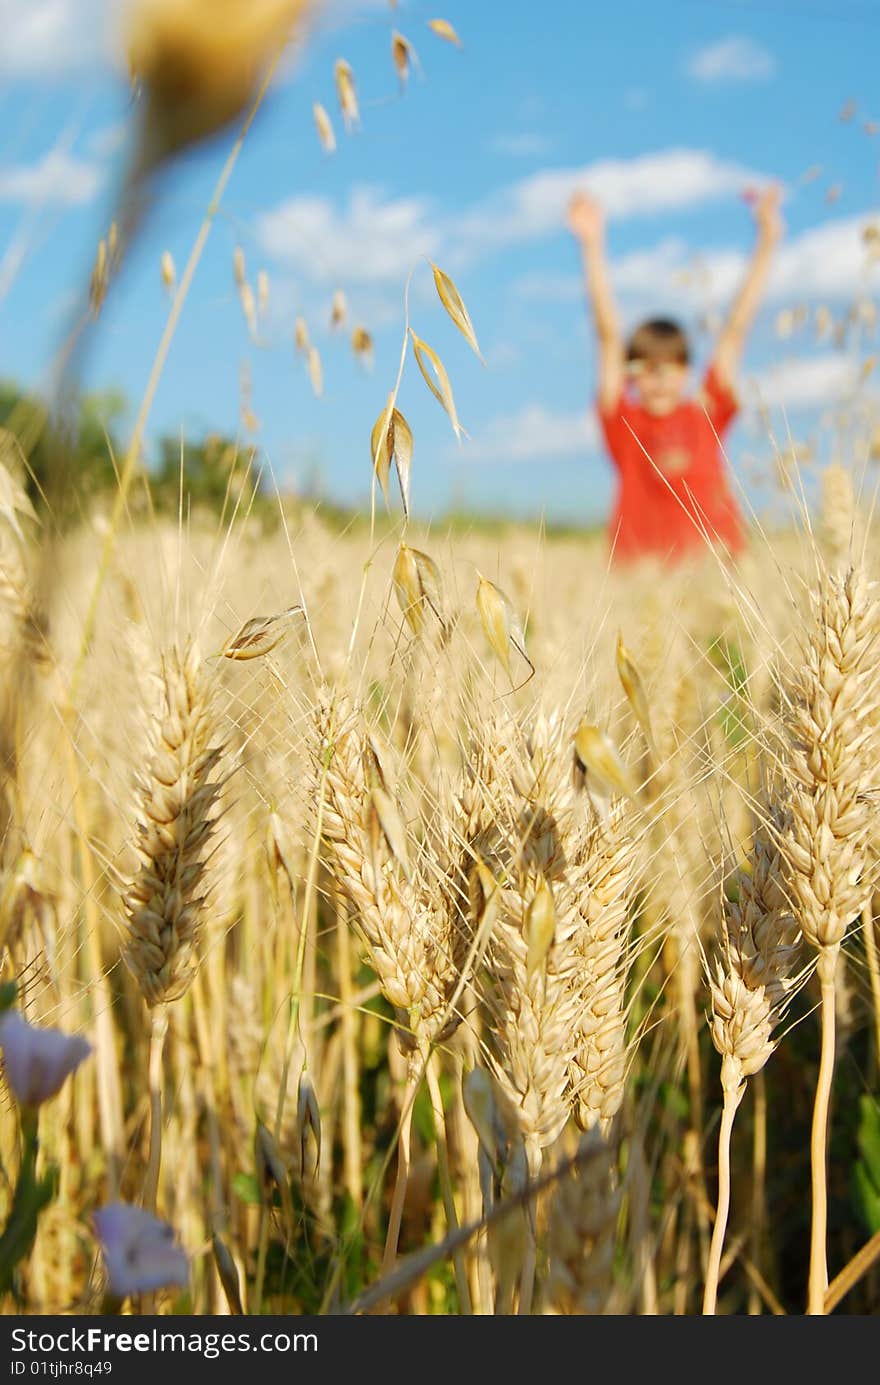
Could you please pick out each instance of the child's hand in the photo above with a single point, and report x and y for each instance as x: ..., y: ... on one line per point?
x: 585, y: 218
x: 766, y: 209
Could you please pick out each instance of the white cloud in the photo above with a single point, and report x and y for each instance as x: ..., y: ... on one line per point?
x: 671, y: 180
x: 372, y: 241
x: 827, y: 261
x: 522, y: 146
x: 668, y: 181
x: 45, y: 38
x: 735, y: 59
x: 804, y: 381
x: 375, y: 239
x: 532, y: 433
x: 48, y: 38
x: 57, y: 177
x: 668, y: 272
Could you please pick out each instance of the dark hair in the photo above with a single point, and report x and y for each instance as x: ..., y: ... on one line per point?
x: 659, y: 339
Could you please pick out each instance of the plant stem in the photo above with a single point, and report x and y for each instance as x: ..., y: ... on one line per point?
x: 818, y: 1280
x: 158, y: 1030
x: 29, y: 1198
x: 873, y: 970
x: 293, y: 1028
x: 461, y: 1280
x: 416, y: 1265
x: 852, y: 1272
x: 262, y: 1250
x: 128, y: 470
x: 732, y: 1098
x: 693, y: 1141
x: 351, y: 1125
x: 759, y: 1182
x: 109, y: 1087
x: 395, y: 1216
x: 640, y: 1228
x: 527, y: 1274
x: 535, y: 1158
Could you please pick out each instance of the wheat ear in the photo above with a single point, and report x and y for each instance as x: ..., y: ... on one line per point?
x: 749, y: 990
x: 830, y: 754
x: 164, y: 902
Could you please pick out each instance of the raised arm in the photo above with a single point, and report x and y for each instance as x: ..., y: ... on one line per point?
x: 729, y: 349
x: 587, y: 224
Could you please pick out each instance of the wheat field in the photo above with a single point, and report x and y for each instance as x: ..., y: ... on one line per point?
x: 457, y: 923
x: 381, y: 944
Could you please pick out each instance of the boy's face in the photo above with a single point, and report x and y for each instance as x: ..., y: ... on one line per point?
x: 660, y: 385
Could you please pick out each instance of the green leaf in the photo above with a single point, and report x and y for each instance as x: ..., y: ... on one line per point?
x: 31, y: 1196
x: 869, y: 1134
x: 865, y: 1198
x: 423, y: 1116
x: 733, y: 712
x: 865, y: 1178
x: 246, y: 1189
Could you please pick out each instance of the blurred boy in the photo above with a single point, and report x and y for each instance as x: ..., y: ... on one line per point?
x: 673, y: 495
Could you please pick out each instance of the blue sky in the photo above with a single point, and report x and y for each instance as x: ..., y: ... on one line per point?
x: 666, y: 112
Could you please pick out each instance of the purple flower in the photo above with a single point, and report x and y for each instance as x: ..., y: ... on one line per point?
x: 140, y: 1251
x: 37, y: 1062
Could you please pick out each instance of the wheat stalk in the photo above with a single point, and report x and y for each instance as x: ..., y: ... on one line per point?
x: 749, y: 987
x: 532, y: 998
x: 164, y: 903
x: 538, y: 978
x: 607, y: 858
x: 401, y: 914
x: 583, y: 1218
x: 830, y: 751
x: 412, y: 936
x: 837, y: 516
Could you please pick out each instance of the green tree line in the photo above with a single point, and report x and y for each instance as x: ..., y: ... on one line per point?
x: 75, y: 452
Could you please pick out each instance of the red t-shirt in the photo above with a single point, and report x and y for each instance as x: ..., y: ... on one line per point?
x: 672, y: 495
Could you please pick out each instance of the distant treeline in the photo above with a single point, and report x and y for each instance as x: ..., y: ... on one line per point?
x: 70, y: 459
